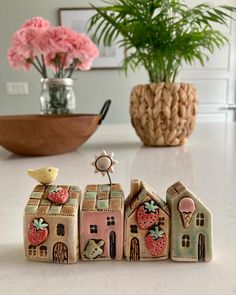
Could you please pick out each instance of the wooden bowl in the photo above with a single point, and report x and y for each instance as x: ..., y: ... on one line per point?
x: 43, y: 135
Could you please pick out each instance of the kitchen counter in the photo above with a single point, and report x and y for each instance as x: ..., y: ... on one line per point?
x: 207, y: 165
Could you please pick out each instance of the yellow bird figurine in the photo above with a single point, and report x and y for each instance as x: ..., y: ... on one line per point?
x: 45, y: 175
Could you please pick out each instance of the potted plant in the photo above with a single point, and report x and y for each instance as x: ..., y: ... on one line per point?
x: 162, y: 35
x: 55, y: 52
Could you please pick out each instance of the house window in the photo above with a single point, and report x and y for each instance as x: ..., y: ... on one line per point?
x: 43, y: 251
x: 161, y: 220
x: 93, y: 229
x: 200, y: 219
x: 32, y: 250
x: 111, y: 220
x: 133, y: 229
x: 185, y: 241
x: 60, y: 229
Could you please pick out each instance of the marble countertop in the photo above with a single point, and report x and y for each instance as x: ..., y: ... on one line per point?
x: 207, y: 165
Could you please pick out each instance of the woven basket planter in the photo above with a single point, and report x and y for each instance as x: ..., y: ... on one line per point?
x: 163, y: 114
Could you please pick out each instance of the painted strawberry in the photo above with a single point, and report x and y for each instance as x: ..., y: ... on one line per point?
x: 156, y: 241
x: 59, y: 195
x: 37, y: 231
x: 147, y: 214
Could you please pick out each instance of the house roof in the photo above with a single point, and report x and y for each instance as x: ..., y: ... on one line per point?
x: 176, y: 189
x: 39, y: 204
x: 103, y: 197
x: 137, y: 197
x: 179, y: 189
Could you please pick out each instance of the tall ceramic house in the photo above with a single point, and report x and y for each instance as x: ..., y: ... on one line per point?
x: 191, y: 225
x: 102, y: 222
x: 50, y: 229
x: 147, y: 223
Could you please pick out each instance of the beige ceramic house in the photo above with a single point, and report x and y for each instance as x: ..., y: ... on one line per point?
x: 147, y: 222
x: 191, y: 225
x: 57, y: 240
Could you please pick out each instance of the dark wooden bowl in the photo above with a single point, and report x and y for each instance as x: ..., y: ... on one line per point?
x: 43, y: 135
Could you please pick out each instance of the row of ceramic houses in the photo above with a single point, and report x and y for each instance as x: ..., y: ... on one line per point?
x: 103, y: 225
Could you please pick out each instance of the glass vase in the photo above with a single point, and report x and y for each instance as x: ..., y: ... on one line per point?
x: 57, y: 96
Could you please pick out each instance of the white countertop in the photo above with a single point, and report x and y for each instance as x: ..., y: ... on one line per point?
x: 207, y: 165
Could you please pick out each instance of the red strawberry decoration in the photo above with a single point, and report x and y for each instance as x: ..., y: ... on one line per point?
x: 156, y: 241
x: 59, y: 196
x: 37, y: 232
x: 147, y: 214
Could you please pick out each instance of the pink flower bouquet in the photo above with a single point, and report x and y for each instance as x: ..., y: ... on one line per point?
x: 44, y: 47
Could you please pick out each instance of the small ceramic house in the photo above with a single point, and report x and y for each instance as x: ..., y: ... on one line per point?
x: 51, y: 230
x: 101, y: 222
x: 147, y: 222
x: 191, y: 230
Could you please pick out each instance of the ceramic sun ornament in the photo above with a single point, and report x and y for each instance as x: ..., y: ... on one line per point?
x: 104, y: 164
x: 45, y: 175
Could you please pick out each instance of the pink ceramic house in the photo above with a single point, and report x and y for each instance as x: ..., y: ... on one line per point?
x: 102, y: 221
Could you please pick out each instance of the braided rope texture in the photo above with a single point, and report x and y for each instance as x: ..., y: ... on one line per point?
x: 163, y: 114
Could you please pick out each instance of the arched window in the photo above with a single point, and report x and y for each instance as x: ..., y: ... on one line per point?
x: 200, y: 219
x: 185, y: 241
x: 43, y: 251
x: 60, y: 229
x: 32, y: 250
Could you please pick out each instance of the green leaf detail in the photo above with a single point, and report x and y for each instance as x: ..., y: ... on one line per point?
x: 151, y: 206
x: 38, y: 223
x: 54, y: 189
x: 156, y: 233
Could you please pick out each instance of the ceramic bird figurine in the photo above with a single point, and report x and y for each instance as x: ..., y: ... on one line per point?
x: 45, y: 175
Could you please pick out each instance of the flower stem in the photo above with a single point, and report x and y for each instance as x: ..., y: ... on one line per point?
x: 44, y: 67
x: 37, y: 68
x: 72, y: 67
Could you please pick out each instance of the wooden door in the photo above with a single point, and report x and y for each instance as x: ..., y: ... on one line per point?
x: 112, y: 238
x: 134, y: 249
x: 201, y: 247
x: 60, y: 253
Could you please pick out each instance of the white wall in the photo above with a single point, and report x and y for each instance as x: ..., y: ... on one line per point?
x: 92, y: 88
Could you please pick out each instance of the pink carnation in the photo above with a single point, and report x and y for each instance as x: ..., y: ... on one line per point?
x: 25, y: 42
x: 16, y: 60
x: 60, y: 48
x: 36, y: 22
x: 58, y: 39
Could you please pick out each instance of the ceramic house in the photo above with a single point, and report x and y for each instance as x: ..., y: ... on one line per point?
x: 191, y: 230
x: 51, y: 230
x: 101, y: 222
x: 147, y: 222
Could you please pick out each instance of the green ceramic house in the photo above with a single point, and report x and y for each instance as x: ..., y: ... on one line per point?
x: 191, y: 226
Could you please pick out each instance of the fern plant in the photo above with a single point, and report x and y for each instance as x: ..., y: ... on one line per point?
x: 161, y: 34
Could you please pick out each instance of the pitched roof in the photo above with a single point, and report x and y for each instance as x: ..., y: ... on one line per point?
x: 176, y: 189
x: 137, y: 196
x: 39, y: 204
x: 103, y: 197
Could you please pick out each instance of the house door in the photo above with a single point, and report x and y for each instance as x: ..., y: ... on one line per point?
x: 134, y: 249
x: 60, y: 253
x: 112, y: 239
x: 201, y: 247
